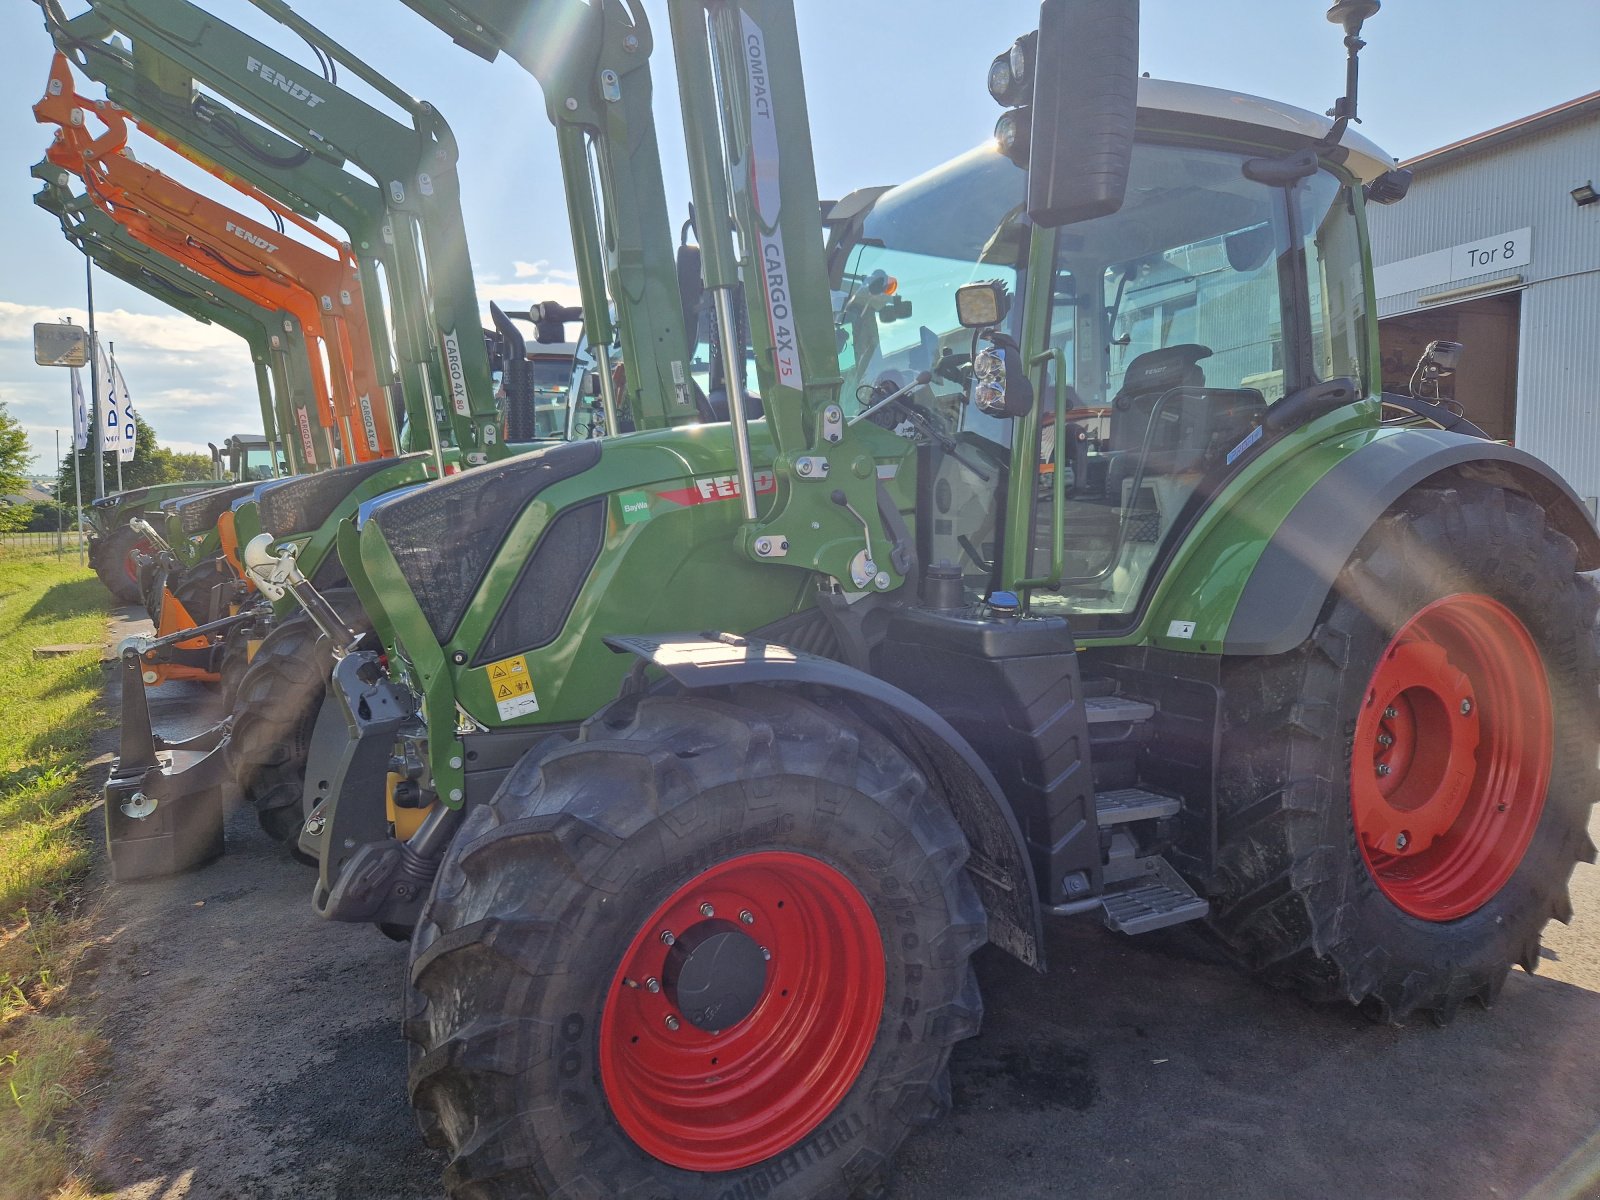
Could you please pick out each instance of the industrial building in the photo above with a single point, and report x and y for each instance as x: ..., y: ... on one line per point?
x: 1498, y: 247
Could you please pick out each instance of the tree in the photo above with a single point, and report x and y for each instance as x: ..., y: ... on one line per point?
x: 13, y: 453
x: 152, y: 463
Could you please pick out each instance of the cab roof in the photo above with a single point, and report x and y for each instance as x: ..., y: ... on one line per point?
x: 1193, y: 101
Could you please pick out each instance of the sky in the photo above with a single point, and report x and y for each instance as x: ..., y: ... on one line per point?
x: 894, y: 87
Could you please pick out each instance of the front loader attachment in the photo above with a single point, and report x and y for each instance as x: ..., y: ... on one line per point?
x: 163, y: 802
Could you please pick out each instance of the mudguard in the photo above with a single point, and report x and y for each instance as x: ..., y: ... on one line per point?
x: 999, y: 866
x: 1279, y: 603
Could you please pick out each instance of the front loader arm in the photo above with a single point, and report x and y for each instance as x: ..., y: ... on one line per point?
x: 415, y: 167
x: 592, y: 62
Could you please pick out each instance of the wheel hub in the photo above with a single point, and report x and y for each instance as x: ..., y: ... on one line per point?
x: 1451, y: 757
x: 742, y: 1011
x: 714, y: 975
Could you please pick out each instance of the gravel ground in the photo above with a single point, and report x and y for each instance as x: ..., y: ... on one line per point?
x: 255, y: 1052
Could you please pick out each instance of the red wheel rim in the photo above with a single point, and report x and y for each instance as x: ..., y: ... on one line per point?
x: 707, y: 1099
x: 1451, y: 757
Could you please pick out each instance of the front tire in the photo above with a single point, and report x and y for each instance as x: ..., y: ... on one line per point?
x: 275, y: 711
x: 593, y: 1009
x: 114, y: 563
x: 1402, y: 799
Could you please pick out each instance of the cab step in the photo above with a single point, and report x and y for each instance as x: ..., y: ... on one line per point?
x: 1113, y: 710
x: 1121, y: 805
x: 1157, y: 898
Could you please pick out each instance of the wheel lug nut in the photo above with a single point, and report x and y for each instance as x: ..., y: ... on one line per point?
x: 1384, y: 768
x: 672, y: 1023
x: 706, y: 910
x: 1401, y: 840
x: 1385, y: 740
x: 746, y: 917
x: 652, y: 984
x: 766, y: 954
x: 1466, y: 707
x: 666, y: 937
x: 1391, y: 712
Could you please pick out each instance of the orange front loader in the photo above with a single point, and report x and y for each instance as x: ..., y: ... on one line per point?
x: 322, y: 292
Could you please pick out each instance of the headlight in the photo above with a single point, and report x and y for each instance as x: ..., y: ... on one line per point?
x: 989, y: 369
x: 1020, y: 59
x: 1012, y: 132
x: 1001, y: 79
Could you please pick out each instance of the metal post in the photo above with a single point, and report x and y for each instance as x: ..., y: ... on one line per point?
x: 608, y: 389
x: 733, y: 381
x: 96, y: 440
x: 60, y: 539
x: 111, y: 348
x: 77, y: 492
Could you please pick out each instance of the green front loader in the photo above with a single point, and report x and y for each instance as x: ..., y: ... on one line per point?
x: 1060, y: 563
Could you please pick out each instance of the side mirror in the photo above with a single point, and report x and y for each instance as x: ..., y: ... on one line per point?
x: 982, y: 305
x: 1085, y: 98
x: 1002, y: 386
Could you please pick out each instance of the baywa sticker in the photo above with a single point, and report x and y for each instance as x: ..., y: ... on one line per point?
x: 635, y: 507
x: 512, y: 687
x: 712, y: 488
x: 457, y: 373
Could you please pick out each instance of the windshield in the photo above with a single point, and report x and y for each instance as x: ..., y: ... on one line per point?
x: 895, y: 301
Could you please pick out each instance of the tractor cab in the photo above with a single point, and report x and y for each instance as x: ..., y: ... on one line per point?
x: 1154, y: 342
x: 247, y: 458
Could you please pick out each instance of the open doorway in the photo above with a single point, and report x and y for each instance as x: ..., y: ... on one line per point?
x: 1485, y: 385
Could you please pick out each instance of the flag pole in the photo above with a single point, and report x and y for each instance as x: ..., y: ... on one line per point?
x: 111, y: 349
x: 97, y: 440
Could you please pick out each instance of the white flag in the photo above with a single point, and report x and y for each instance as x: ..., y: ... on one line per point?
x: 80, y: 413
x: 129, y: 429
x: 110, y: 407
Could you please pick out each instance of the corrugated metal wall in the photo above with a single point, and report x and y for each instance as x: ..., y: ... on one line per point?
x: 1524, y: 183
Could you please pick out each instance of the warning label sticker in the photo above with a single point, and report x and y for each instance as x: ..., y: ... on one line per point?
x: 512, y: 687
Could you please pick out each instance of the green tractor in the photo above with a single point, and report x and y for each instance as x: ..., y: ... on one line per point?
x: 1061, y: 564
x: 116, y: 543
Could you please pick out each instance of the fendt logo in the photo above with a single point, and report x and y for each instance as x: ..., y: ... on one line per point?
x: 255, y: 239
x: 300, y: 92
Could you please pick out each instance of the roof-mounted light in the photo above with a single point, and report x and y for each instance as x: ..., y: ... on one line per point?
x: 1011, y: 73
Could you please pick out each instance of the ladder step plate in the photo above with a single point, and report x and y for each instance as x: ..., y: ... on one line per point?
x: 1152, y: 905
x: 1105, y: 710
x: 1120, y: 805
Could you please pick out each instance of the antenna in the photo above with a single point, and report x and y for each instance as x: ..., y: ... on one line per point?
x: 1351, y: 14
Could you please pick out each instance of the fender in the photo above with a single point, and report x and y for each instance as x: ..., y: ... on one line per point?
x: 1281, y: 599
x: 999, y: 866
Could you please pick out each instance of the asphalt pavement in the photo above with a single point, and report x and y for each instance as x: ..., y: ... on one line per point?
x: 255, y: 1053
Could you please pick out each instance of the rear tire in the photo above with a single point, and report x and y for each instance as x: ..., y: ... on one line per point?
x: 544, y: 1062
x: 1402, y: 799
x: 115, y: 566
x: 276, y: 709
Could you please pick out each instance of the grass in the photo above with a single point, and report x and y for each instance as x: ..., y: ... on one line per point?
x: 47, y: 717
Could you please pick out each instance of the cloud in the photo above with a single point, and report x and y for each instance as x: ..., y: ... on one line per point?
x: 193, y: 383
x: 178, y: 334
x: 542, y: 270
